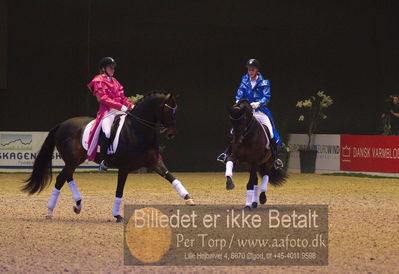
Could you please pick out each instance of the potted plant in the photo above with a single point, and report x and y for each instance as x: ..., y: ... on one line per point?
x: 313, y: 111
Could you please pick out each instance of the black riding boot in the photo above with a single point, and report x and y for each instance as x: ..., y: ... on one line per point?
x: 104, y: 144
x: 278, y: 164
x: 223, y: 157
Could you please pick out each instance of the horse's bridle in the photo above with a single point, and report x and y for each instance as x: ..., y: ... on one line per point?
x: 174, y: 109
x: 248, y: 127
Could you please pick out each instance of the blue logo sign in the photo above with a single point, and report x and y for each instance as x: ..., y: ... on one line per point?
x: 15, y: 141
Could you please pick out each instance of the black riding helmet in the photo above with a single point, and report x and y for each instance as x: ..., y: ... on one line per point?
x: 106, y: 61
x: 253, y: 63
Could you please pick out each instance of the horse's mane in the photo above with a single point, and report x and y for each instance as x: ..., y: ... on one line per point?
x: 152, y: 94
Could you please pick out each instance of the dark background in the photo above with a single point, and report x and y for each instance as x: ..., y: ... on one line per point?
x: 49, y: 51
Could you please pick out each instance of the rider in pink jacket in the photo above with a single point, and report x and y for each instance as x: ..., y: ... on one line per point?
x: 110, y: 95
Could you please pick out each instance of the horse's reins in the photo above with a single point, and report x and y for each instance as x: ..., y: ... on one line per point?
x: 141, y: 120
x: 152, y: 125
x: 250, y: 125
x: 236, y: 119
x: 247, y: 129
x: 145, y: 122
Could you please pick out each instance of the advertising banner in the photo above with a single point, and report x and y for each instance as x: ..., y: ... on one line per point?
x: 328, y: 151
x: 370, y: 153
x: 18, y: 150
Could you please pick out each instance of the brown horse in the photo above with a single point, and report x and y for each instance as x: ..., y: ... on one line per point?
x: 250, y: 146
x: 138, y: 147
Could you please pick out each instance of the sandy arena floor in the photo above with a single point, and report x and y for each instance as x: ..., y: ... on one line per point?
x: 363, y: 220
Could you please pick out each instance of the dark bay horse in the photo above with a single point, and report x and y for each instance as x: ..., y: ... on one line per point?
x: 250, y: 146
x: 138, y: 147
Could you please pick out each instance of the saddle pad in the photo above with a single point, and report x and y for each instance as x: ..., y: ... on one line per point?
x: 112, y: 148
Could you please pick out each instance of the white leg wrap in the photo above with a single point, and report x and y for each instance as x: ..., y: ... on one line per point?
x: 229, y: 169
x: 117, y: 206
x: 265, y: 181
x: 255, y: 197
x: 52, y: 202
x: 179, y: 188
x: 75, y: 191
x: 248, y: 200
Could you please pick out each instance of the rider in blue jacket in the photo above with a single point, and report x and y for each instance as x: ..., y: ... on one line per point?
x: 256, y: 90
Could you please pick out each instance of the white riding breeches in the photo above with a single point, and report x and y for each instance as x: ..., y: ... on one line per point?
x: 264, y: 120
x: 108, y: 120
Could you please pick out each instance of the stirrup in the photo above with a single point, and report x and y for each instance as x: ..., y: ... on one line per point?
x: 102, y: 166
x: 222, y: 158
x: 278, y: 164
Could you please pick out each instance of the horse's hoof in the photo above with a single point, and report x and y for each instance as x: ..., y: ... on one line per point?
x: 247, y: 208
x: 49, y: 216
x: 119, y: 219
x: 262, y: 198
x: 77, y: 209
x: 189, y: 202
x: 254, y: 205
x: 229, y: 183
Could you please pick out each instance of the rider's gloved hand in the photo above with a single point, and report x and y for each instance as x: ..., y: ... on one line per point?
x: 124, y: 108
x: 255, y: 105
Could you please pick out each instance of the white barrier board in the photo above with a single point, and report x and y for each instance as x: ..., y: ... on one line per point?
x: 18, y: 151
x: 328, y: 151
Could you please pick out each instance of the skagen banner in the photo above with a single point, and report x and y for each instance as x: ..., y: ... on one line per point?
x: 225, y: 235
x: 18, y: 150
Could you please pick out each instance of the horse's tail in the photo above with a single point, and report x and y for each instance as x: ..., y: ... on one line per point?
x: 277, y: 176
x: 41, y: 173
